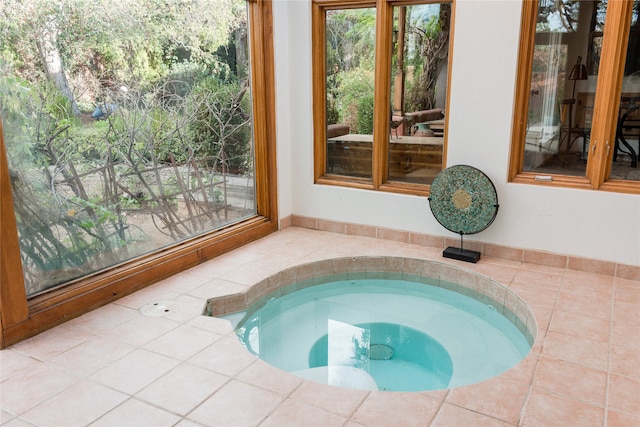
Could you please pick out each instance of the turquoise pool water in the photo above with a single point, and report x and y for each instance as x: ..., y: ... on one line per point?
x: 383, y: 334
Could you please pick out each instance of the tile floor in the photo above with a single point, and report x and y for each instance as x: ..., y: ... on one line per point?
x: 117, y: 367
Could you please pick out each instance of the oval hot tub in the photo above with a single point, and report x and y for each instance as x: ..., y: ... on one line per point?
x: 375, y: 327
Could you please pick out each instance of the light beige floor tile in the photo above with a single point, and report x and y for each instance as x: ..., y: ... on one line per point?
x: 547, y: 409
x: 548, y: 268
x: 626, y: 293
x: 293, y: 413
x: 134, y: 371
x: 626, y: 312
x: 261, y: 374
x: 581, y: 351
x: 523, y: 371
x: 14, y: 364
x: 91, y: 355
x: 146, y: 296
x: 26, y: 391
x: 182, y: 389
x: 622, y: 419
x: 17, y: 422
x: 499, y: 273
x: 275, y: 262
x: 226, y: 356
x: 105, y: 318
x: 135, y: 413
x: 338, y: 400
x: 190, y: 279
x: 396, y: 409
x: 624, y: 394
x: 236, y: 404
x: 535, y: 297
x: 575, y: 381
x: 191, y: 308
x: 217, y: 287
x: 588, y: 281
x: 489, y: 398
x: 188, y: 423
x: 53, y: 342
x: 213, y: 324
x: 182, y: 342
x: 142, y: 329
x: 571, y: 302
x: 247, y: 275
x: 238, y: 257
x: 455, y: 416
x: 625, y: 361
x: 79, y: 405
x: 626, y: 334
x: 580, y: 325
x: 5, y: 417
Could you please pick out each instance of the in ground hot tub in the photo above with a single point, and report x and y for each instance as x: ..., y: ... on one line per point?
x: 385, y: 323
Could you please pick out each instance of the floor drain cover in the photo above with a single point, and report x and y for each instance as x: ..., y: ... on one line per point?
x: 160, y: 308
x: 380, y: 352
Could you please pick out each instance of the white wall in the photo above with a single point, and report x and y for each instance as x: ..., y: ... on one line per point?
x: 592, y: 224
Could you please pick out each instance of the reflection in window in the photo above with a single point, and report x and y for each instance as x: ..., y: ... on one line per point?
x: 562, y: 88
x: 566, y: 64
x: 115, y: 151
x: 418, y: 91
x: 350, y: 66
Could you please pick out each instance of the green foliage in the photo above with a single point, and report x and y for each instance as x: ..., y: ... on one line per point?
x: 59, y: 108
x: 117, y: 42
x: 36, y: 116
x: 356, y: 92
x: 99, y: 212
x: 426, y: 53
x: 221, y: 124
x: 14, y: 94
x: 350, y: 38
x: 88, y: 142
x: 365, y: 115
x: 333, y: 115
x: 166, y: 142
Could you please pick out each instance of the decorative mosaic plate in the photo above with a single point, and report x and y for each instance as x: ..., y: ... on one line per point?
x: 463, y: 199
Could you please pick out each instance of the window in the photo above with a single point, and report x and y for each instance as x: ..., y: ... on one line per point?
x: 122, y: 166
x: 578, y: 97
x: 380, y: 90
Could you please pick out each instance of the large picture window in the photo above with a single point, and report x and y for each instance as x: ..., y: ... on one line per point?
x: 380, y: 85
x: 136, y: 143
x: 578, y: 102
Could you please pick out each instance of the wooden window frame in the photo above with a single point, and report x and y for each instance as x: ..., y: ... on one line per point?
x: 21, y: 317
x: 605, y: 111
x: 382, y: 95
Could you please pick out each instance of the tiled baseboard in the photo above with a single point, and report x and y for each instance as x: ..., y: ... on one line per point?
x: 570, y: 262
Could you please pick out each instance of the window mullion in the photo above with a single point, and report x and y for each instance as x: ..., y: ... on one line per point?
x: 382, y: 94
x: 319, y: 89
x: 523, y: 86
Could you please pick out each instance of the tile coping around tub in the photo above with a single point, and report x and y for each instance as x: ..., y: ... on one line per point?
x: 429, y: 272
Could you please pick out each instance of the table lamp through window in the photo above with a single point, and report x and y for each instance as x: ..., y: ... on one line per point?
x: 578, y: 72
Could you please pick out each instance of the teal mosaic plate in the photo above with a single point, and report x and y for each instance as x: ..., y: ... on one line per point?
x: 463, y: 199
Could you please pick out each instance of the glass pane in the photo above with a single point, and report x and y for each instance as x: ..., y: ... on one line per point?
x: 128, y: 128
x: 350, y: 65
x: 564, y: 77
x: 418, y: 91
x: 625, y: 156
